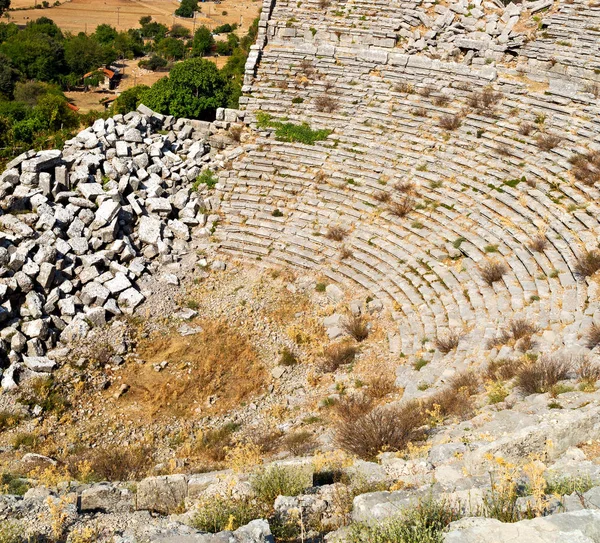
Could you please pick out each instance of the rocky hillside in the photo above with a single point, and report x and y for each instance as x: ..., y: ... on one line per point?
x: 362, y: 308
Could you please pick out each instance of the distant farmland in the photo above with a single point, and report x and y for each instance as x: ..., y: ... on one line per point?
x: 84, y: 15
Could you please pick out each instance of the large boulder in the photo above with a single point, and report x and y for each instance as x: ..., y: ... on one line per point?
x: 164, y: 494
x: 577, y: 527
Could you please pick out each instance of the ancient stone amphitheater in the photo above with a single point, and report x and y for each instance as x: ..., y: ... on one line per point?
x: 516, y: 90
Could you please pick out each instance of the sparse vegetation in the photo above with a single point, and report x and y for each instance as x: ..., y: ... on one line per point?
x: 587, y: 263
x: 541, y: 375
x: 586, y: 167
x: 401, y: 208
x: 326, y: 103
x: 538, y: 243
x: 356, y: 326
x: 336, y: 233
x: 450, y: 122
x: 492, y: 271
x: 547, y: 141
x: 448, y: 341
x: 423, y: 523
x: 336, y: 355
x: 365, y: 430
x: 276, y: 480
x: 291, y: 132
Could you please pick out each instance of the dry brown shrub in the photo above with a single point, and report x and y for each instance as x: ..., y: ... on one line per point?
x: 404, y: 87
x: 503, y: 149
x: 515, y: 330
x: 326, y: 103
x: 235, y: 133
x: 307, y: 68
x: 492, y: 271
x: 442, y: 100
x: 356, y: 326
x: 592, y: 336
x: 547, y: 141
x: 405, y: 187
x: 540, y: 376
x: 345, y: 252
x: 456, y: 398
x: 538, y: 243
x: 426, y: 91
x: 419, y: 112
x: 401, y: 208
x: 526, y: 128
x: 485, y: 100
x: 503, y: 369
x: 587, y: 370
x: 114, y: 462
x: 382, y: 196
x: 381, y: 385
x: 336, y: 355
x: 336, y: 233
x: 324, y: 4
x: 299, y: 443
x: 365, y: 430
x: 586, y: 167
x: 587, y: 263
x: 447, y: 342
x: 450, y: 122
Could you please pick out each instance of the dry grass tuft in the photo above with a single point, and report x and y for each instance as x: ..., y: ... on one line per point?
x: 492, y: 271
x: 587, y: 263
x: 450, y: 122
x: 586, y: 167
x: 503, y: 369
x: 540, y: 376
x: 401, y: 208
x: 447, y: 342
x: 485, y: 100
x: 382, y: 196
x: 345, y: 252
x: 326, y: 103
x: 538, y: 243
x: 592, y: 336
x: 404, y: 87
x: 515, y: 330
x: 588, y: 371
x: 526, y: 128
x: 299, y: 443
x: 442, y: 100
x: 380, y: 386
x: 113, y: 463
x: 404, y: 187
x: 336, y: 355
x: 336, y: 233
x: 547, y: 142
x: 356, y: 326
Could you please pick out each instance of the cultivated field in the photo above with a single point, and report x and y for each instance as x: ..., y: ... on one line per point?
x: 84, y: 15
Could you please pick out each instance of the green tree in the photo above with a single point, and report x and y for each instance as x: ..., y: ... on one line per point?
x: 179, y: 31
x: 83, y: 53
x: 171, y: 48
x: 37, y: 51
x: 154, y: 30
x: 105, y: 34
x: 4, y: 5
x: 194, y: 89
x: 8, y: 77
x: 53, y: 113
x: 187, y: 8
x: 129, y: 44
x: 7, y: 30
x: 203, y: 42
x: 145, y: 20
x: 130, y: 99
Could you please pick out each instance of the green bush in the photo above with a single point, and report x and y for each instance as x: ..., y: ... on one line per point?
x: 218, y: 514
x: 278, y: 481
x: 424, y: 523
x: 564, y: 486
x: 11, y: 533
x: 207, y: 177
